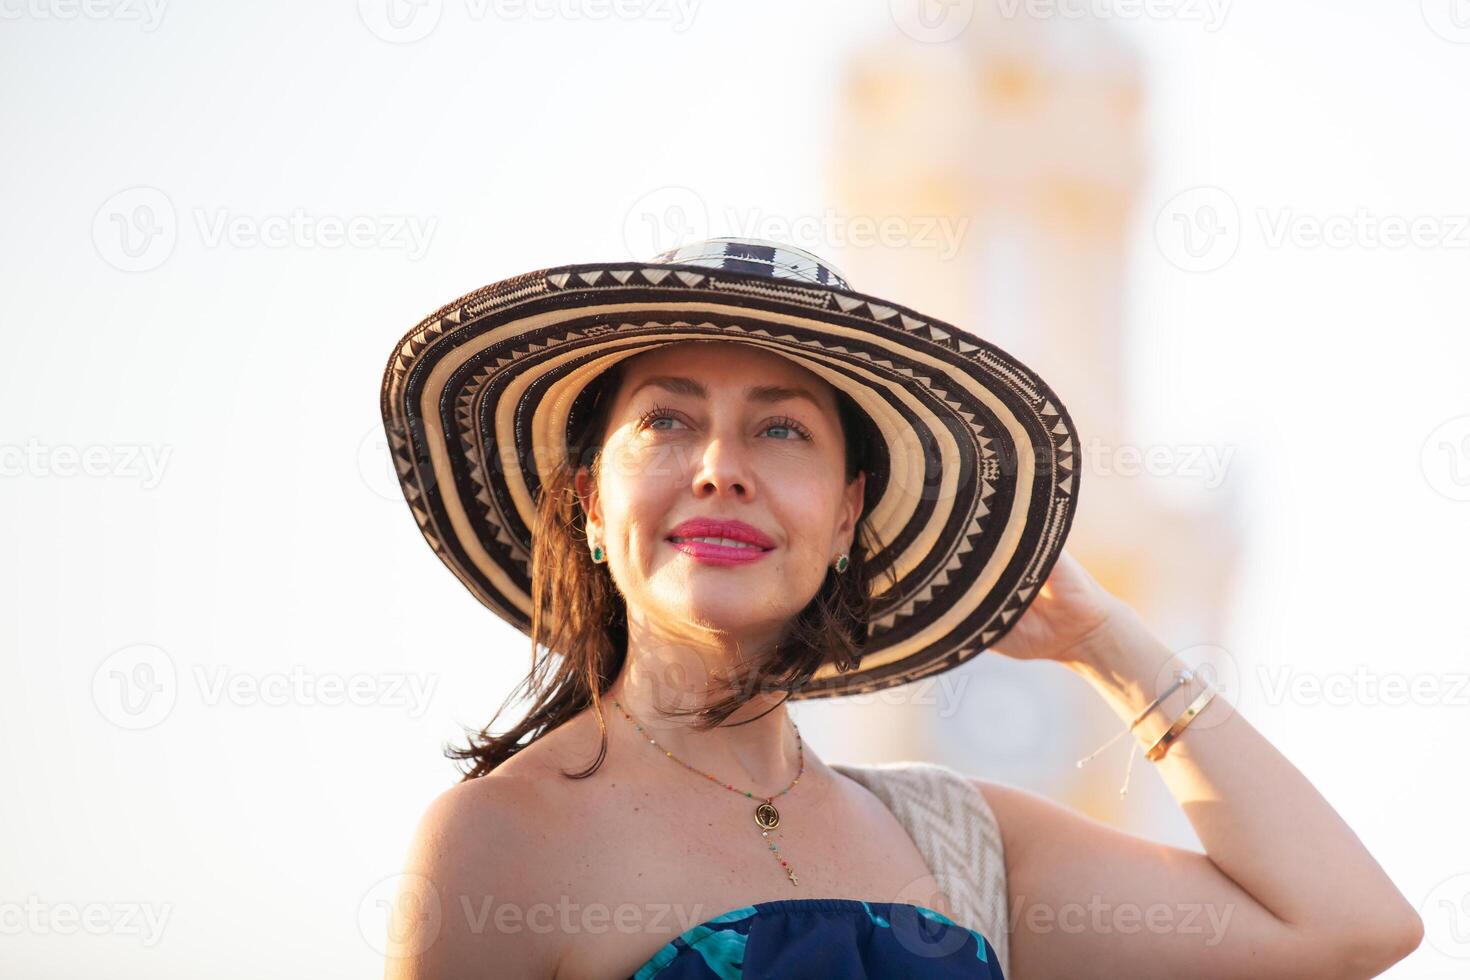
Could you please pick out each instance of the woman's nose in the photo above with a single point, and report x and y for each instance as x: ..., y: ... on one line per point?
x: 723, y: 467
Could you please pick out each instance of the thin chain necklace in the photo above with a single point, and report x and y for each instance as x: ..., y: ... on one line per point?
x: 766, y: 815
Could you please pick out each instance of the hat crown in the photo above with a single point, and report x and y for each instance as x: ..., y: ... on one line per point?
x: 757, y: 256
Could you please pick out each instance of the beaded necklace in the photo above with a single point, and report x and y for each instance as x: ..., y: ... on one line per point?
x: 767, y: 817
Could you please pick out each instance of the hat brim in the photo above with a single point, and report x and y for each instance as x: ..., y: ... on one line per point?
x: 973, y: 497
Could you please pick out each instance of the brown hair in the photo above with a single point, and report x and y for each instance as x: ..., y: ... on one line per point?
x: 578, y: 612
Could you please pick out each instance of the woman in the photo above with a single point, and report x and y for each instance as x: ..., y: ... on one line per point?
x: 725, y: 521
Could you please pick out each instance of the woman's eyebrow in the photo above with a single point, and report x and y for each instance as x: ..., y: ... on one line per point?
x: 755, y: 393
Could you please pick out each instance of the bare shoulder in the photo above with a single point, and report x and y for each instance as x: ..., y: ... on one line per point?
x: 483, y: 856
x: 466, y: 862
x: 1034, y: 825
x: 1034, y: 828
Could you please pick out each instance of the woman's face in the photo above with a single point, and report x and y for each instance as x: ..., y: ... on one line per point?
x: 720, y: 431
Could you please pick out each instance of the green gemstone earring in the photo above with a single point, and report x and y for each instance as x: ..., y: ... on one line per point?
x: 597, y: 554
x: 841, y: 563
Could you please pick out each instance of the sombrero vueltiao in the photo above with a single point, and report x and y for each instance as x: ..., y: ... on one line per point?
x: 974, y: 489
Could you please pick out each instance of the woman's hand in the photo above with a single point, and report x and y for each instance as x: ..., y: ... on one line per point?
x: 1071, y: 610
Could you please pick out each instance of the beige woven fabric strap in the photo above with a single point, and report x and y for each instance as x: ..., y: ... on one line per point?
x: 956, y: 833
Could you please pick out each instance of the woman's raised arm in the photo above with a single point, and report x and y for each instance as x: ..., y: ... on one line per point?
x: 1284, y: 888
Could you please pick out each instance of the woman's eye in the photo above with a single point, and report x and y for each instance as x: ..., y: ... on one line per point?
x: 655, y: 414
x: 790, y: 426
x: 652, y: 417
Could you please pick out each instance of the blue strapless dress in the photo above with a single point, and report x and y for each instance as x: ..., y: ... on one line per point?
x: 826, y: 938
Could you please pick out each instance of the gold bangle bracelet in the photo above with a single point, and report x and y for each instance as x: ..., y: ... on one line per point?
x: 1160, y: 748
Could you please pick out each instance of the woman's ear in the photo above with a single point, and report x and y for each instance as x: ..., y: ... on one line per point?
x: 852, y: 509
x: 852, y: 502
x: 586, y: 489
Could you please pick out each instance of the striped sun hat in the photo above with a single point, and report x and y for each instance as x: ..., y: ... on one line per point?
x: 971, y: 494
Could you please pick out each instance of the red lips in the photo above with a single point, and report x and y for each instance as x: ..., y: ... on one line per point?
x: 702, y: 527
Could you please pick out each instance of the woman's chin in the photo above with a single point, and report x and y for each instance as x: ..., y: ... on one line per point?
x: 733, y: 612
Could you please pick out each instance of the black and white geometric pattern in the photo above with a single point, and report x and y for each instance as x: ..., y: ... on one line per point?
x: 760, y: 258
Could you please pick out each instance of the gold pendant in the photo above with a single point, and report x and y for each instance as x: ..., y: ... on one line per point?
x: 767, y: 816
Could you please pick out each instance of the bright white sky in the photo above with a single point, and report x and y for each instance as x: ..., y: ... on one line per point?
x: 275, y: 541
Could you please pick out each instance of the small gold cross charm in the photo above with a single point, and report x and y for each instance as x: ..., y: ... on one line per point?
x: 792, y: 875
